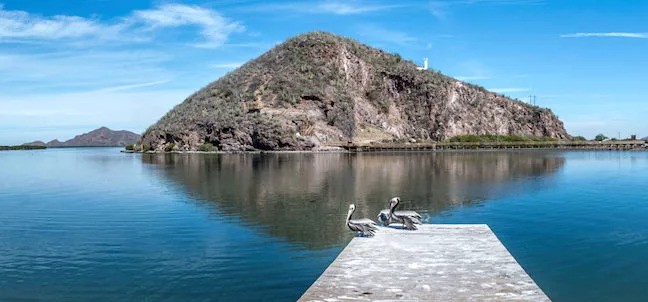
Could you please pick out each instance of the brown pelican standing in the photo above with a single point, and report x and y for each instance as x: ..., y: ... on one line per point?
x: 409, y: 219
x: 364, y: 227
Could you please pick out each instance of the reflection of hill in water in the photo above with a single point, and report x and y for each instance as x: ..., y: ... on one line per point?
x: 304, y: 197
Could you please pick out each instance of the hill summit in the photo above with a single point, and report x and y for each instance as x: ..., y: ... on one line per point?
x: 319, y: 89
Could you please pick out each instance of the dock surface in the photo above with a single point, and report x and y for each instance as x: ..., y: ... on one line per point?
x: 434, y: 263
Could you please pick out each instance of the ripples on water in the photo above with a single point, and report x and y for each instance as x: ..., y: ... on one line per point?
x: 94, y: 224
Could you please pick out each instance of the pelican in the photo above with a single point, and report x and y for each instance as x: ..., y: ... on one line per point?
x: 364, y: 227
x: 409, y: 219
x: 383, y: 217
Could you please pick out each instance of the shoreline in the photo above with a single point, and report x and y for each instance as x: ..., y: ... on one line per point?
x: 237, y: 152
x: 440, y: 147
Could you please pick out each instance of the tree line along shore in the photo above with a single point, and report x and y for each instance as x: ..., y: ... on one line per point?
x: 23, y: 147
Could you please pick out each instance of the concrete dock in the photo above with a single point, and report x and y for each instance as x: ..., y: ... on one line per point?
x: 434, y: 263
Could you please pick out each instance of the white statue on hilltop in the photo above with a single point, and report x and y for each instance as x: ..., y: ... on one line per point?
x: 425, y: 64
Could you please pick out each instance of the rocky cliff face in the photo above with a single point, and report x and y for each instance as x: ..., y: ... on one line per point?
x: 318, y: 89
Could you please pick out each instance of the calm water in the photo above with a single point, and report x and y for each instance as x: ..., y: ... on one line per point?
x: 98, y: 225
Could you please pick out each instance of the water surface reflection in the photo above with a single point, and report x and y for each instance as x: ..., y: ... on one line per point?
x: 303, y: 197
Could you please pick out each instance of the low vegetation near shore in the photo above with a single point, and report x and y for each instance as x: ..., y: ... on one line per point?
x: 7, y: 148
x: 489, y: 138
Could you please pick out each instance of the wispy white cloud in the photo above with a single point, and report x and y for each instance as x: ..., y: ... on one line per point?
x: 472, y: 70
x: 350, y: 8
x: 509, y: 89
x: 230, y: 65
x: 501, y: 2
x: 80, y: 69
x: 213, y: 27
x: 610, y: 96
x: 438, y: 9
x: 441, y: 8
x: 132, y: 86
x: 380, y: 34
x: 472, y: 78
x: 633, y: 35
x: 21, y: 24
x: 328, y: 7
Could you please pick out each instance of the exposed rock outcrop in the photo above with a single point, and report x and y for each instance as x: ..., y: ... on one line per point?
x: 319, y: 89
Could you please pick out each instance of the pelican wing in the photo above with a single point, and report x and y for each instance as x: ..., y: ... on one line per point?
x: 364, y: 226
x: 408, y: 213
x: 364, y: 221
x: 409, y: 222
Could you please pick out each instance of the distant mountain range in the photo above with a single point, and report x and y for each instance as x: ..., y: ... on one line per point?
x: 645, y: 138
x: 102, y: 137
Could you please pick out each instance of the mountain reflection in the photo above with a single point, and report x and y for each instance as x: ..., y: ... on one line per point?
x: 303, y: 197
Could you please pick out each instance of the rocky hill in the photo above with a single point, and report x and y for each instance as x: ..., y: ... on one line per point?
x: 36, y: 143
x: 102, y: 137
x: 319, y: 89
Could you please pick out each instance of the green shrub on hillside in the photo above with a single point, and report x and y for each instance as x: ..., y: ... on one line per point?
x: 169, y: 147
x: 207, y: 147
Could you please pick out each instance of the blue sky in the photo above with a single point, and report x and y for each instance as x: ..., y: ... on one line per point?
x: 67, y: 67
